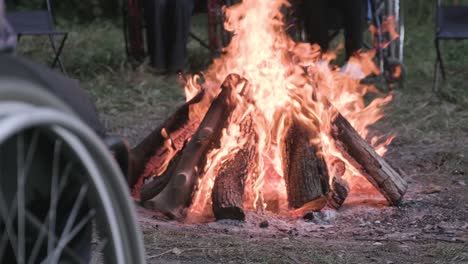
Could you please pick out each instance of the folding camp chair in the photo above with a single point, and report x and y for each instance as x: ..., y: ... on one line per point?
x: 39, y: 23
x: 451, y: 23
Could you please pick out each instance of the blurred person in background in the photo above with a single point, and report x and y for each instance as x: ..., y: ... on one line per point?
x: 318, y: 16
x: 167, y: 32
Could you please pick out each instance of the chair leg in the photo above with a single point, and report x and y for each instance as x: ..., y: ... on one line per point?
x: 439, y: 58
x: 435, y: 84
x: 199, y: 40
x: 58, y: 51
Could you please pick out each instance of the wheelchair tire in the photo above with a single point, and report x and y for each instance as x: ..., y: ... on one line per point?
x: 62, y: 196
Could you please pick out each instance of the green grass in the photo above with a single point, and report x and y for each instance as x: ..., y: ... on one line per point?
x: 95, y: 55
x: 418, y: 114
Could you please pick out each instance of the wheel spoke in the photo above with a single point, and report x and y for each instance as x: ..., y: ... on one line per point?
x: 23, y: 231
x: 42, y: 234
x: 100, y: 247
x: 69, y: 224
x: 40, y: 226
x: 75, y: 231
x: 21, y: 179
x: 54, y: 193
x: 8, y: 218
x: 68, y: 236
x: 31, y: 152
x: 18, y: 243
x: 3, y: 245
x: 3, y: 211
x: 75, y: 209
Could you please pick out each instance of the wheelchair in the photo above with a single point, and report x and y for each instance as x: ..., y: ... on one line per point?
x: 63, y: 198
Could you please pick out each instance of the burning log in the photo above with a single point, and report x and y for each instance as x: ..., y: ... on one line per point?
x: 158, y: 183
x: 339, y: 187
x: 228, y: 189
x: 364, y: 158
x: 184, y: 176
x: 340, y: 190
x: 152, y: 149
x: 305, y: 171
x: 178, y: 152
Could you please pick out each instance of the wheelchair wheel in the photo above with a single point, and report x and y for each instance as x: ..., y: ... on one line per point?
x: 62, y: 197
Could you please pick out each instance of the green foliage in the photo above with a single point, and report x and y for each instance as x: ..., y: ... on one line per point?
x: 74, y: 10
x: 102, y: 48
x: 419, y: 11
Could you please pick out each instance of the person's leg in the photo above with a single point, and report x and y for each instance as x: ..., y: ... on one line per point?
x: 156, y: 32
x: 181, y: 12
x: 353, y: 20
x: 148, y: 8
x: 314, y: 14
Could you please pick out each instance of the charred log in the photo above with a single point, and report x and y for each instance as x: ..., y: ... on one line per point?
x: 364, y: 158
x: 228, y: 190
x: 339, y: 187
x: 152, y: 150
x: 305, y: 171
x: 339, y: 192
x: 158, y: 183
x: 178, y: 193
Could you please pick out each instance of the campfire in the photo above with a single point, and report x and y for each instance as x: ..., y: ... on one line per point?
x: 271, y: 125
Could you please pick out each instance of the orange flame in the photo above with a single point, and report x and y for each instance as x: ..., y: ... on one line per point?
x: 280, y: 89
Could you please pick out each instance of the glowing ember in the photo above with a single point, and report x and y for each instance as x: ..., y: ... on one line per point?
x: 279, y: 90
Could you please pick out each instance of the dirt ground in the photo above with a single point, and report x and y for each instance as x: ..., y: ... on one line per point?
x: 430, y: 226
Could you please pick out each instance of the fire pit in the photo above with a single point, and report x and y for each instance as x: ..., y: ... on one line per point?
x: 272, y: 127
